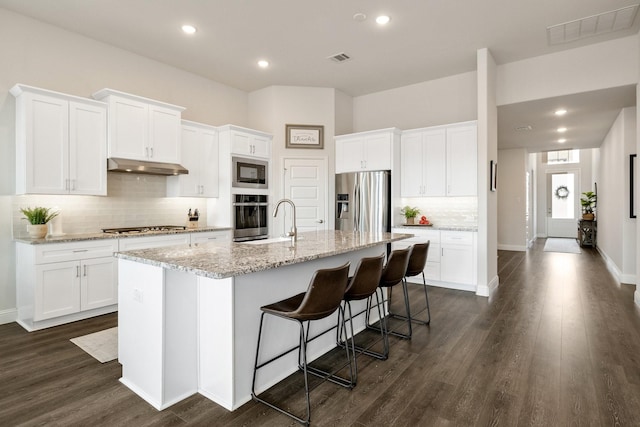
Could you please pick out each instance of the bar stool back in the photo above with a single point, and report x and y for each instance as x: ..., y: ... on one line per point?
x: 322, y: 298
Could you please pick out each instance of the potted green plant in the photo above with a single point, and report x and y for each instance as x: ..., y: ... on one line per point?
x: 38, y: 218
x: 588, y: 202
x: 410, y: 213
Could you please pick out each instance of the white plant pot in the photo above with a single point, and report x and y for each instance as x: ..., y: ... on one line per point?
x: 37, y: 231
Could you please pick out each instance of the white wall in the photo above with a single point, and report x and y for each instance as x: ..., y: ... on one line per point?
x: 616, y: 231
x: 598, y: 66
x: 41, y: 55
x: 270, y: 109
x: 436, y: 102
x: 487, y: 152
x: 512, y: 210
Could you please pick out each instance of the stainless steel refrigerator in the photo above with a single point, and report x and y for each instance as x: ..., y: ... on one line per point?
x: 363, y: 201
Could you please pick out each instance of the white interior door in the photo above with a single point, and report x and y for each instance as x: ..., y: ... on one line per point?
x: 563, y: 208
x: 305, y: 183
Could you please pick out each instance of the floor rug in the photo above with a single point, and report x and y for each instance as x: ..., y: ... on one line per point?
x: 562, y: 245
x: 101, y: 345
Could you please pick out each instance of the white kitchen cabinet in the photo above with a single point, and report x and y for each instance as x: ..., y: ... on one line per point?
x: 439, y: 161
x: 432, y: 266
x: 200, y: 157
x: 451, y: 261
x: 142, y: 128
x: 63, y: 282
x: 457, y: 257
x: 210, y: 236
x: 60, y: 143
x: 245, y: 142
x: 423, y: 155
x: 462, y: 160
x: 365, y: 151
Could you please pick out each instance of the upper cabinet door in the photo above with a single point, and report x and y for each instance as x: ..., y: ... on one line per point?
x: 411, y: 158
x: 200, y: 157
x: 128, y: 129
x: 261, y: 146
x: 164, y: 135
x: 42, y: 145
x: 209, y: 167
x: 349, y: 155
x: 434, y: 156
x: 462, y: 159
x: 87, y: 149
x: 377, y: 149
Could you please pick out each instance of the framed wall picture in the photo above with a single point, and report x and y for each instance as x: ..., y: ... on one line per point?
x: 304, y: 136
x: 494, y: 175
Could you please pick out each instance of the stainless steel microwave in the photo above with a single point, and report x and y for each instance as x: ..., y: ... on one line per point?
x: 249, y: 173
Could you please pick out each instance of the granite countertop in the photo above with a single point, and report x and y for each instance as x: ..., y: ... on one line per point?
x: 219, y: 260
x: 438, y: 227
x: 67, y: 238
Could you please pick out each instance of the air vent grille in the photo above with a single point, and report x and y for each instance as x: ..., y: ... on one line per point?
x: 615, y: 20
x: 523, y: 128
x: 339, y: 57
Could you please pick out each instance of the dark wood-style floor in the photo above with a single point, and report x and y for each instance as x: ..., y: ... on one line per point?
x: 557, y: 345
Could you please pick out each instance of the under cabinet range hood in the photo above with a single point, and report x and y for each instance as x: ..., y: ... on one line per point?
x: 115, y: 164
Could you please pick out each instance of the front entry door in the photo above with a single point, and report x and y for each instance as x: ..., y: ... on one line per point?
x: 562, y: 204
x: 305, y: 183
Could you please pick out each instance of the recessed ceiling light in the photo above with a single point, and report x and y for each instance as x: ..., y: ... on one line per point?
x: 359, y: 17
x: 383, y: 19
x: 562, y: 130
x: 263, y: 64
x: 560, y: 112
x: 189, y: 29
x: 562, y: 140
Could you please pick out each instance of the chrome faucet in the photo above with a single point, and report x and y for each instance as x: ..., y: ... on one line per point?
x: 294, y: 230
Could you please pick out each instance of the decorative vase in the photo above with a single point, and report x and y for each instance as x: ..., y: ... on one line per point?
x: 588, y: 216
x: 410, y: 220
x: 37, y: 231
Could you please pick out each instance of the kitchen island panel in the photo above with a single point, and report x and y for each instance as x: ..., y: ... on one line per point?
x: 157, y: 326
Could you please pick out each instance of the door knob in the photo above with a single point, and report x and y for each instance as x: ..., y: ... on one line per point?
x: 320, y: 221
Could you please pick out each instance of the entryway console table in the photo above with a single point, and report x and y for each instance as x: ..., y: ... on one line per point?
x: 587, y: 232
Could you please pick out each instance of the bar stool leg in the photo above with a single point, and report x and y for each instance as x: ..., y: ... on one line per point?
x: 426, y: 299
x: 302, y: 354
x: 331, y: 376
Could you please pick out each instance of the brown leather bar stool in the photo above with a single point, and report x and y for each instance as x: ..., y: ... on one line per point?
x: 417, y: 261
x: 322, y: 298
x: 362, y: 285
x: 392, y: 275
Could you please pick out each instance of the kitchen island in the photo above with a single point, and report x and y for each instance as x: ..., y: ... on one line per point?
x: 189, y: 315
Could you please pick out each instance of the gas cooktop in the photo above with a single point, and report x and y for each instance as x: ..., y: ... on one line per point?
x: 142, y: 230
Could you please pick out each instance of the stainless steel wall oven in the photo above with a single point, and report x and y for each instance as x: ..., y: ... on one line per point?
x: 250, y: 216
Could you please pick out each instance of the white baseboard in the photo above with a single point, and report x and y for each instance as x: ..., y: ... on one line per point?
x: 542, y: 236
x: 487, y: 290
x: 628, y: 279
x: 8, y: 316
x: 517, y: 248
x: 636, y: 297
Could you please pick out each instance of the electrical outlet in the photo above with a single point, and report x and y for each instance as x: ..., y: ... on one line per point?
x: 138, y: 295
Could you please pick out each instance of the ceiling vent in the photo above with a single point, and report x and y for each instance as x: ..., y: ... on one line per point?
x: 339, y: 57
x: 607, y: 22
x: 524, y: 128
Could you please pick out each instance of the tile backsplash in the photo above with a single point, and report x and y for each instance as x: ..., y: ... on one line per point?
x: 132, y: 200
x: 444, y: 211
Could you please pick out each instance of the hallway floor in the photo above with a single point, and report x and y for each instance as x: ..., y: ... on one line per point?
x: 557, y: 345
